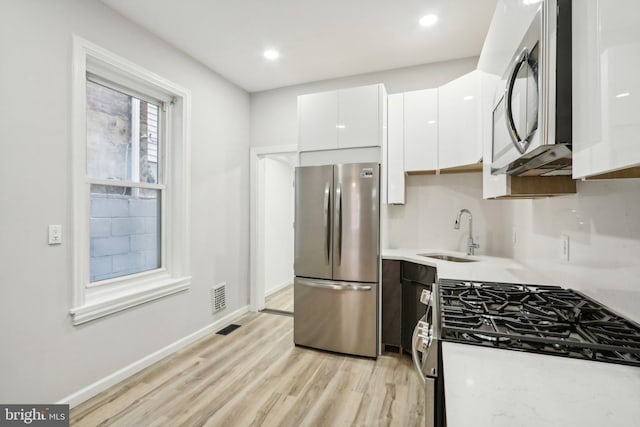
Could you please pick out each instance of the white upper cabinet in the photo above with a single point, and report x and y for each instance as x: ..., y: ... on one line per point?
x: 317, y: 121
x: 347, y: 118
x: 359, y: 116
x: 460, y: 121
x: 606, y: 86
x: 421, y: 130
x: 395, y: 150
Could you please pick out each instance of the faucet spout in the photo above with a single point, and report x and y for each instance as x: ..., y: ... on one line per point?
x: 471, y: 245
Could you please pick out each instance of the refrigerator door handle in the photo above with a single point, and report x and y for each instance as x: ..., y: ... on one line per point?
x: 327, y: 228
x: 335, y: 286
x: 339, y: 220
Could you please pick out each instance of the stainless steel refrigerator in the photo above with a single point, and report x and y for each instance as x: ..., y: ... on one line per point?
x: 337, y: 228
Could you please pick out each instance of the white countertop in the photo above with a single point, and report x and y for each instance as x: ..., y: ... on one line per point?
x: 504, y: 388
x: 490, y: 269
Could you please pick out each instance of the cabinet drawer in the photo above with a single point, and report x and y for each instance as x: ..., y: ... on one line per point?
x: 423, y: 274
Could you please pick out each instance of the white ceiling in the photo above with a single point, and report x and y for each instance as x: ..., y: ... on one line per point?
x: 317, y: 39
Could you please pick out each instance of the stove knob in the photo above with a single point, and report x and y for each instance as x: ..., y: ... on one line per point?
x: 425, y: 297
x: 423, y: 327
x: 422, y: 344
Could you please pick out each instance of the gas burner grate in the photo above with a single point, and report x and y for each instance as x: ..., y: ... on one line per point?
x: 538, y: 318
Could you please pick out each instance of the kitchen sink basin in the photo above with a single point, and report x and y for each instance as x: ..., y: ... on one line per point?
x: 450, y: 258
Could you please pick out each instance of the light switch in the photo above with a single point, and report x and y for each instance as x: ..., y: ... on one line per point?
x: 55, y: 234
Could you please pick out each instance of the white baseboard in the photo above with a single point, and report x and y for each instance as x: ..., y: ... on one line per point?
x: 277, y: 288
x: 101, y: 385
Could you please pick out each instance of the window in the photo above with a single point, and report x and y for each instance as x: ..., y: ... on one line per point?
x: 125, y: 187
x: 130, y: 184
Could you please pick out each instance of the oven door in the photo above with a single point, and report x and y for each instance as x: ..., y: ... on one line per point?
x: 426, y: 357
x: 518, y: 115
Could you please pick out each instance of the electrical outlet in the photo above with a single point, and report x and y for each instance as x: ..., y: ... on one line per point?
x: 55, y: 234
x: 564, y: 242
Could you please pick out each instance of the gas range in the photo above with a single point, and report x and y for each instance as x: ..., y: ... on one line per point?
x: 535, y: 318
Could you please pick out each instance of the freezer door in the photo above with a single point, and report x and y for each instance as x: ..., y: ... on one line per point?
x: 356, y: 222
x: 314, y: 192
x: 336, y: 316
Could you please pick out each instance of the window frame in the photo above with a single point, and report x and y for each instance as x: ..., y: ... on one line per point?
x: 94, y: 300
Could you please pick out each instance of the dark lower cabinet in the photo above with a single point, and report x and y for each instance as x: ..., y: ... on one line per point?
x: 391, y: 303
x: 402, y: 285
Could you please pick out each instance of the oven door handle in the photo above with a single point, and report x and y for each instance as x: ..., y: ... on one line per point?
x: 421, y: 343
x: 511, y: 82
x: 422, y: 338
x: 415, y: 342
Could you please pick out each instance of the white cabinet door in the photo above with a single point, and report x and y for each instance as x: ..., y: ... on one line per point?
x: 421, y: 130
x: 460, y: 122
x: 606, y: 86
x: 395, y: 149
x: 317, y: 121
x: 359, y: 117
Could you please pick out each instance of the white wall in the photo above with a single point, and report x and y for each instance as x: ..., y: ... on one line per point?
x: 274, y: 113
x: 432, y: 204
x: 278, y: 221
x: 43, y: 357
x: 603, y: 225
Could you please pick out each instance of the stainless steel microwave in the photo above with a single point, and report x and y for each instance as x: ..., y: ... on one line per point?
x: 532, y: 120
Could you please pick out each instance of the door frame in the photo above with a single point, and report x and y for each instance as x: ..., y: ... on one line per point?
x: 256, y: 230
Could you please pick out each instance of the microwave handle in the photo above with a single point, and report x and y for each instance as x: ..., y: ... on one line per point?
x: 511, y: 81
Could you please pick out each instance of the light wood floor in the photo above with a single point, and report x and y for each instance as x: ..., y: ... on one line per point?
x: 255, y: 376
x: 281, y: 300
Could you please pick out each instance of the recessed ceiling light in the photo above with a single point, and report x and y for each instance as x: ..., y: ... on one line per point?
x: 271, y: 54
x: 623, y: 95
x: 468, y: 98
x: 428, y: 20
x: 529, y: 2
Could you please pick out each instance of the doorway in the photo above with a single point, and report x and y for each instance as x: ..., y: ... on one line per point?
x: 272, y: 234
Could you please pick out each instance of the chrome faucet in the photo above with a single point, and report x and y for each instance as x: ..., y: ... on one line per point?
x: 470, y: 244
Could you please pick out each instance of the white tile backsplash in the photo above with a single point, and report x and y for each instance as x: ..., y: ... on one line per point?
x: 602, y: 222
x: 432, y: 203
x: 603, y: 225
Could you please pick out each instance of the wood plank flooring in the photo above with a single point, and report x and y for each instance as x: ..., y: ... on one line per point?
x: 281, y: 300
x: 255, y: 376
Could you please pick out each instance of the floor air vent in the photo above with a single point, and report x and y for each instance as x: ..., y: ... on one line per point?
x: 227, y: 330
x: 218, y: 297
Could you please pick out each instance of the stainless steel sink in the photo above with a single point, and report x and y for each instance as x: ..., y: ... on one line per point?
x: 449, y: 258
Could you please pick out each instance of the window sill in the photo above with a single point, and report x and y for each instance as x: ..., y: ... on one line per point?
x: 105, y: 302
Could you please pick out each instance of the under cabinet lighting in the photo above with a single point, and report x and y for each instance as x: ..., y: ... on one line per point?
x: 623, y: 95
x: 428, y: 20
